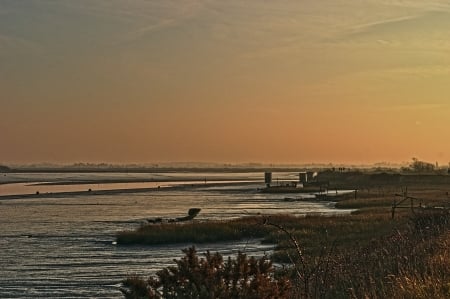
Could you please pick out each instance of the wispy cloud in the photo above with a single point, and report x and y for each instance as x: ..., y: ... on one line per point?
x: 418, y: 71
x: 10, y: 44
x: 171, y: 15
x: 416, y: 107
x: 381, y: 23
x: 423, y: 29
x: 110, y: 21
x: 140, y: 17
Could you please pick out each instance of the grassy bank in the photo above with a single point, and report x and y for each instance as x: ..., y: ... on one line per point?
x: 360, y: 226
x: 371, y: 220
x: 368, y: 254
x: 194, y: 232
x: 365, y: 255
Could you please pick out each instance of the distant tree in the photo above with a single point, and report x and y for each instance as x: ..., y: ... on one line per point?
x: 211, y: 277
x: 421, y: 166
x: 4, y: 168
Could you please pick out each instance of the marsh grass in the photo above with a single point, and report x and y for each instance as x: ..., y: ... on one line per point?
x: 409, y: 259
x: 342, y: 233
x: 367, y: 255
x: 363, y: 255
x: 194, y: 232
x: 435, y: 282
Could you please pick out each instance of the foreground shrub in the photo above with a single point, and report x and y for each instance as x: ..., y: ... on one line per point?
x: 407, y: 260
x: 212, y: 277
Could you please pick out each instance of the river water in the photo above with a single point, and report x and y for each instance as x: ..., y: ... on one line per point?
x: 63, y: 247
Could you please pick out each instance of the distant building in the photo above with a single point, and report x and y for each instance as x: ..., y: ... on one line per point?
x: 287, y: 185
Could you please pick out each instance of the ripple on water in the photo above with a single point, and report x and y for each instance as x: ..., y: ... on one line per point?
x: 63, y: 247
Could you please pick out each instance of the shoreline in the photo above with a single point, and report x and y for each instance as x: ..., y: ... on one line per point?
x: 123, y: 180
x: 75, y: 193
x: 118, y: 191
x: 250, y: 169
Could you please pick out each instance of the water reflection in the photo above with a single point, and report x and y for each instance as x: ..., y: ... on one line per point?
x: 63, y: 247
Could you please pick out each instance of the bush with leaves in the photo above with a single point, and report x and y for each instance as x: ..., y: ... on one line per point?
x: 211, y: 277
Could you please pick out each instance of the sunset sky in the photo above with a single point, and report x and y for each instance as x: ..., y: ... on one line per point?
x: 117, y: 81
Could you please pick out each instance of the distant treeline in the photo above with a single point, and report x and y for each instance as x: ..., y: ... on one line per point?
x: 4, y: 168
x: 415, y: 166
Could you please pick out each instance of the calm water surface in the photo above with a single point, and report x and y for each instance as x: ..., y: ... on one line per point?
x: 63, y: 247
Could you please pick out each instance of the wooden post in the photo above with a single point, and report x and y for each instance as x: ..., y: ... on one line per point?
x: 394, y: 205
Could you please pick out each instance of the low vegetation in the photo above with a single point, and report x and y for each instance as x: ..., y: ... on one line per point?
x: 212, y: 277
x: 194, y: 232
x: 368, y: 254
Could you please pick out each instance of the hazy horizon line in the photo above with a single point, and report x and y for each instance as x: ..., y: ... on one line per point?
x: 201, y: 164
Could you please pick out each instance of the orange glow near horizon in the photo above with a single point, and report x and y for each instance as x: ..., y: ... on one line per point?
x: 231, y: 82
